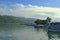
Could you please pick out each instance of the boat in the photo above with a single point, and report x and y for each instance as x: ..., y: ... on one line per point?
x: 50, y: 27
x: 40, y: 26
x: 54, y: 27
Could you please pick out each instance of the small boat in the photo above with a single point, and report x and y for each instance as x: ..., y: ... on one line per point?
x: 40, y: 26
x: 54, y: 27
x: 50, y: 27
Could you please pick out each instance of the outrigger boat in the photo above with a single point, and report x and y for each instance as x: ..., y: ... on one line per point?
x: 50, y: 27
x: 47, y: 24
x: 40, y: 26
x: 54, y: 27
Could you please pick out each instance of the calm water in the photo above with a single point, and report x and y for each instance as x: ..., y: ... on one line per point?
x: 23, y: 32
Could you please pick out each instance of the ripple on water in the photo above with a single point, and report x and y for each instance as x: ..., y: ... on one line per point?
x: 23, y: 33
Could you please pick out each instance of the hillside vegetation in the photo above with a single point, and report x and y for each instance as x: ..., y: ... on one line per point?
x: 11, y: 19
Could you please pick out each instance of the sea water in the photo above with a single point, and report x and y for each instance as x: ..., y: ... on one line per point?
x: 24, y: 32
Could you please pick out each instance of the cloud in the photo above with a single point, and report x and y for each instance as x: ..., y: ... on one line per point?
x: 30, y: 11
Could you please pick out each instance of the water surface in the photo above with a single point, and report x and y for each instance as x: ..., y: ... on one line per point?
x: 23, y: 32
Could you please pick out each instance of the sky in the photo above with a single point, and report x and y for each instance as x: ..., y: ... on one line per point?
x: 31, y: 8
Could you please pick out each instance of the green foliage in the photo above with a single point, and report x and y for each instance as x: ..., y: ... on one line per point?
x: 11, y: 19
x: 38, y: 21
x: 48, y: 19
x: 8, y: 19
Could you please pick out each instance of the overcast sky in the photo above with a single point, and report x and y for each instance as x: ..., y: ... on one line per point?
x: 31, y: 8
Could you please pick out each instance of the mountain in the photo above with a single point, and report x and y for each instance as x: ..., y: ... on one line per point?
x: 20, y: 20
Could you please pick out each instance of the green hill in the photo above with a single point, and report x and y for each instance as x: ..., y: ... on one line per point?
x: 11, y: 19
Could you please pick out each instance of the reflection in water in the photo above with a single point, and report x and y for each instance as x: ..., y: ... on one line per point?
x: 54, y: 35
x: 23, y: 32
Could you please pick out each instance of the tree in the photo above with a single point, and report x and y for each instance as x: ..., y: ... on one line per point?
x: 38, y: 21
x: 47, y: 21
